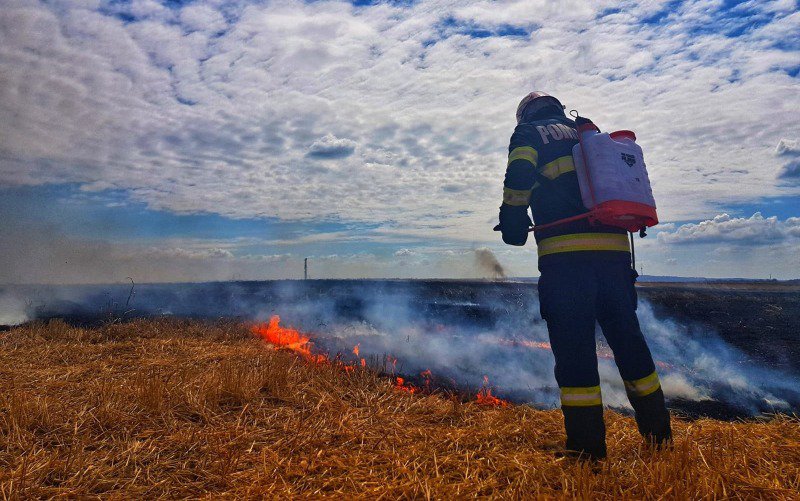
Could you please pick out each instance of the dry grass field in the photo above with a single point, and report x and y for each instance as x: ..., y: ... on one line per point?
x: 169, y: 408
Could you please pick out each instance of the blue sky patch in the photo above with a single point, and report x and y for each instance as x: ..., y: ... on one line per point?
x: 450, y: 26
x: 783, y: 207
x: 112, y: 215
x: 661, y: 15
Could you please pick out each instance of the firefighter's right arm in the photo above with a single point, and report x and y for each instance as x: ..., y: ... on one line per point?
x: 519, y: 181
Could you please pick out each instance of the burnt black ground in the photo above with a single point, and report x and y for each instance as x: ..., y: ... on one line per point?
x: 761, y: 320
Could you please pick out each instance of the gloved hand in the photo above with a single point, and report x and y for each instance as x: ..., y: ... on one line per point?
x: 514, y: 224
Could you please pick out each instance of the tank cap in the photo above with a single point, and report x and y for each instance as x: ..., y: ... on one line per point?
x: 623, y: 134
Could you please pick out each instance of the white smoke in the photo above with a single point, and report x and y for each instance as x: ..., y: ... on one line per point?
x: 694, y: 364
x: 460, y: 332
x: 677, y: 385
x: 712, y: 369
x: 691, y: 369
x: 12, y: 309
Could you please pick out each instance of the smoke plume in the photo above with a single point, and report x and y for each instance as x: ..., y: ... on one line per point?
x: 487, y: 262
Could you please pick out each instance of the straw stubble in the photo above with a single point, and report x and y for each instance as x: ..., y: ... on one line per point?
x: 171, y: 408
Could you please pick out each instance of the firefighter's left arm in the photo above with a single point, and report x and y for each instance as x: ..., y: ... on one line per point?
x: 519, y: 180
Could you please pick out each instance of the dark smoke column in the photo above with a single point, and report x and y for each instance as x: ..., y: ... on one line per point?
x: 488, y: 262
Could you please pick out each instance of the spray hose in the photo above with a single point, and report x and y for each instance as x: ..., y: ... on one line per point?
x: 559, y: 222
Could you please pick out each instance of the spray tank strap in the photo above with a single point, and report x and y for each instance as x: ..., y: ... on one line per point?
x: 566, y: 220
x: 546, y: 181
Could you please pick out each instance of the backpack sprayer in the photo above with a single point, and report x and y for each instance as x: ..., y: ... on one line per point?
x: 613, y: 181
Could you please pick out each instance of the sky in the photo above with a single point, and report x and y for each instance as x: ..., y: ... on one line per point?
x: 229, y: 140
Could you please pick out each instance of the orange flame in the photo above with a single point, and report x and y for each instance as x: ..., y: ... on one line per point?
x: 292, y: 339
x: 400, y: 384
x: 283, y: 337
x: 485, y: 397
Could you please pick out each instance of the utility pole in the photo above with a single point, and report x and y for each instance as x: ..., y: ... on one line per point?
x: 305, y: 269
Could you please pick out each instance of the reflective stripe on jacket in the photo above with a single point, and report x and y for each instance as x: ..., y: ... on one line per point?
x: 582, y: 242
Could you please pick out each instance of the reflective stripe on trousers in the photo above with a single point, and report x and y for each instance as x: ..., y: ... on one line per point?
x: 644, y: 386
x: 577, y: 396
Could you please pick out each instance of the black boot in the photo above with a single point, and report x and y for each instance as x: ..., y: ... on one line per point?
x: 586, y: 431
x: 652, y: 418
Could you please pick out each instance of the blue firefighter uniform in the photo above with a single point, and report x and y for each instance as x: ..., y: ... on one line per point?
x: 586, y: 277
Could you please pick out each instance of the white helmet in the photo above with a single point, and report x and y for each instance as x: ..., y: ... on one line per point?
x: 535, y: 101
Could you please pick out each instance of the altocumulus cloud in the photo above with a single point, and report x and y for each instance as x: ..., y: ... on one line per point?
x: 179, y: 252
x: 404, y: 253
x: 331, y: 146
x: 789, y: 152
x: 207, y: 106
x: 755, y: 230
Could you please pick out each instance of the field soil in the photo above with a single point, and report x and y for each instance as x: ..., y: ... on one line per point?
x: 176, y: 408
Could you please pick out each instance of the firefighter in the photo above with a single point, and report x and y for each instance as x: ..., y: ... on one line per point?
x: 586, y: 278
